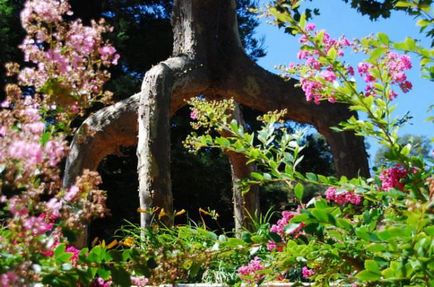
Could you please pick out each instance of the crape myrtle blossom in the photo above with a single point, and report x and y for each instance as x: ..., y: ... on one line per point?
x: 306, y: 272
x: 323, y: 70
x: 250, y: 273
x: 47, y: 11
x: 281, y: 229
x: 69, y: 60
x: 67, y: 65
x: 392, y: 178
x: 342, y: 197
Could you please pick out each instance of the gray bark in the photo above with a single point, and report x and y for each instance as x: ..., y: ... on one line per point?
x: 101, y: 134
x: 153, y: 148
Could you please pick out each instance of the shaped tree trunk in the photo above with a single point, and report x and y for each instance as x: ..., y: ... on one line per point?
x: 207, y: 59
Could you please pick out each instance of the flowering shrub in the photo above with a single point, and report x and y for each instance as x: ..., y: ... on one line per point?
x: 39, y: 218
x: 359, y: 232
x: 250, y: 272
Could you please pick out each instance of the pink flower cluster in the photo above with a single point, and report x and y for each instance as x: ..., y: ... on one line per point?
x: 139, y: 281
x: 99, y: 282
x: 8, y: 279
x: 249, y: 273
x: 392, y: 178
x: 318, y: 75
x: 395, y: 65
x: 306, y: 272
x: 342, y: 197
x: 37, y: 225
x: 24, y: 145
x: 31, y: 150
x: 279, y: 228
x: 68, y: 56
x: 75, y: 253
x: 45, y: 11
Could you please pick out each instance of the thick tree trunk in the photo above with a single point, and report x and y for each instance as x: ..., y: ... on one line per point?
x: 207, y: 58
x: 176, y: 75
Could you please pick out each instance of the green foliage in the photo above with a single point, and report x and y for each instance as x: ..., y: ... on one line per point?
x: 418, y: 145
x: 369, y: 232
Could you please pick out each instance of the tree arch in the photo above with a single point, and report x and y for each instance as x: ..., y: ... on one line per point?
x: 207, y: 59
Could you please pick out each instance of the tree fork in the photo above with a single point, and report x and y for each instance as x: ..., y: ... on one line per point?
x: 207, y: 59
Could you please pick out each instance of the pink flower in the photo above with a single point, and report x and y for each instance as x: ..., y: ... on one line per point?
x: 28, y: 152
x: 99, y: 282
x: 249, y: 272
x: 8, y: 279
x: 312, y: 90
x: 45, y: 10
x: 329, y: 76
x: 306, y: 272
x: 55, y: 151
x: 302, y: 54
x: 139, y: 281
x: 35, y: 128
x: 310, y: 26
x: 369, y: 78
x: 406, y: 86
x: 194, y: 114
x: 58, y: 60
x: 53, y: 207
x: 342, y: 197
x: 271, y: 245
x: 313, y: 63
x: 392, y: 177
x: 72, y: 192
x: 108, y: 53
x: 363, y: 68
x: 279, y: 227
x: 37, y: 225
x: 75, y: 252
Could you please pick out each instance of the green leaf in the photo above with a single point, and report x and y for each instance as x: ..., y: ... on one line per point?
x: 366, y: 275
x: 45, y: 137
x: 290, y: 228
x: 257, y: 175
x: 302, y: 21
x: 372, y: 266
x: 403, y: 4
x: 311, y: 176
x: 61, y: 255
x: 376, y: 53
x: 343, y: 223
x: 331, y: 54
x: 298, y: 191
x: 383, y: 38
x: 194, y: 269
x: 103, y: 273
x: 393, y: 233
x: 429, y: 230
x: 321, y: 215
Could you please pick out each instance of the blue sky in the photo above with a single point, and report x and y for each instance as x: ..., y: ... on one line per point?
x: 338, y: 18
